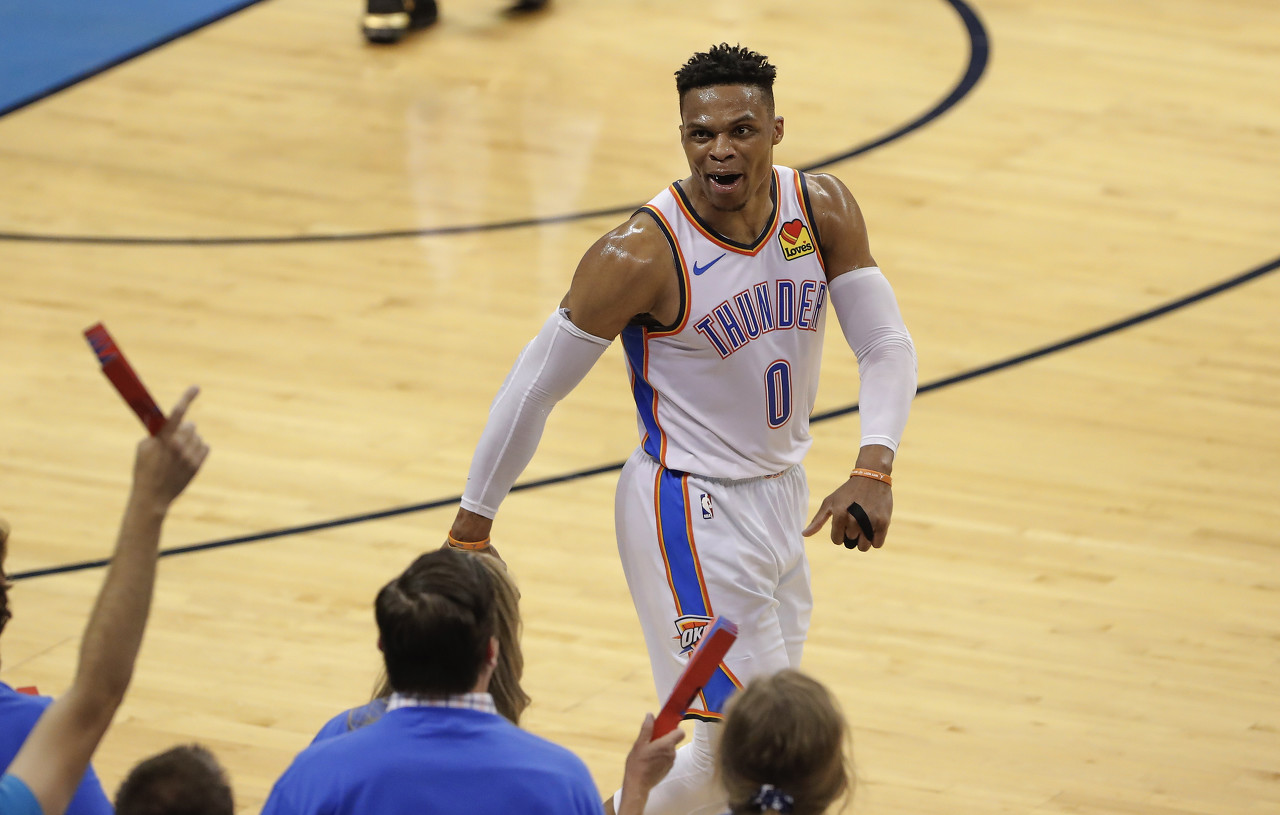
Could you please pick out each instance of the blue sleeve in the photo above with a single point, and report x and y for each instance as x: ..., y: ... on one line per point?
x: 18, y: 716
x: 589, y: 800
x: 90, y: 798
x: 16, y: 797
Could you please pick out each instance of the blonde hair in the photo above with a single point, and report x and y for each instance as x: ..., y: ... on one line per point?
x: 786, y: 732
x: 508, y: 695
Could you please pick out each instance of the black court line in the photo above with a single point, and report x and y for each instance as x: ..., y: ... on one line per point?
x: 1079, y: 339
x: 937, y: 384
x: 125, y: 57
x: 979, y: 56
x: 316, y: 527
x: 978, y: 59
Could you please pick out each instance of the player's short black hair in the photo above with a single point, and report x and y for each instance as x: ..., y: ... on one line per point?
x: 726, y: 64
x: 436, y: 620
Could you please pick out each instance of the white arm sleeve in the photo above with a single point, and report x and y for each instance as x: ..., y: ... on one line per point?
x: 550, y: 366
x: 872, y: 324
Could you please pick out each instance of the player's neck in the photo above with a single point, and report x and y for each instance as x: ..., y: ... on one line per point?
x: 741, y: 225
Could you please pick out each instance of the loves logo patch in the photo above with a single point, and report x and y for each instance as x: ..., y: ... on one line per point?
x: 794, y: 240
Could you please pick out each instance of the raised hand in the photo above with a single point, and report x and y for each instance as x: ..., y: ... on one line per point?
x: 166, y: 463
x: 648, y: 763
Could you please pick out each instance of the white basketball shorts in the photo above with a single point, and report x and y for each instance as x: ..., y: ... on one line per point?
x: 694, y: 548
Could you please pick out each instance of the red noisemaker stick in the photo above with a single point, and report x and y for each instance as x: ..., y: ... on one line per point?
x: 118, y: 370
x: 711, y: 650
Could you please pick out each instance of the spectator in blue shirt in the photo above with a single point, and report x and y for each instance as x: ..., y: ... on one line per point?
x: 509, y: 696
x: 441, y: 746
x: 20, y: 711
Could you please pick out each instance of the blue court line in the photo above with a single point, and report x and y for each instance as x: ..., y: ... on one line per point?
x: 979, y: 56
x: 937, y: 384
x: 50, y: 45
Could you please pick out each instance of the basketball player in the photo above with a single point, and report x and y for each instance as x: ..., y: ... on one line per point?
x: 718, y: 288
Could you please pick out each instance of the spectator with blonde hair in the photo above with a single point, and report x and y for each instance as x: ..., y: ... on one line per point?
x: 785, y: 748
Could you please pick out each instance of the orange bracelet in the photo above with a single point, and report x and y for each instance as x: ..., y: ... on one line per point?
x: 470, y: 546
x: 878, y: 476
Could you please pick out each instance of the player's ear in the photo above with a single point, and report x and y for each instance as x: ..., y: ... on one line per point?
x: 491, y: 658
x: 777, y: 129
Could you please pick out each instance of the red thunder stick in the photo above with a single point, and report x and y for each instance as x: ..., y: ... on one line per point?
x: 118, y: 370
x: 711, y: 650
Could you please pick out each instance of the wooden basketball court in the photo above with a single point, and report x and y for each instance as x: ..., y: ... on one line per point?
x: 1078, y: 609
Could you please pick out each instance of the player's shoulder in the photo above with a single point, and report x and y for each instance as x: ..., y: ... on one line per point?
x: 637, y: 245
x: 833, y: 205
x: 827, y: 193
x: 628, y: 271
x: 639, y: 235
x: 842, y: 232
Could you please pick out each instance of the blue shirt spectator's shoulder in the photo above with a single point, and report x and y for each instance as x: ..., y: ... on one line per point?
x: 352, y: 719
x: 19, y: 713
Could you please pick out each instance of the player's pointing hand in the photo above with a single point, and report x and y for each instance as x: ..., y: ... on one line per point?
x: 870, y: 499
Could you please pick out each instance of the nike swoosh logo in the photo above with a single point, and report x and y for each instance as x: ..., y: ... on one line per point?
x: 700, y: 269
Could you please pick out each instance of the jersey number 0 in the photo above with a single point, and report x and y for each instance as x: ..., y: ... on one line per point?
x: 777, y: 393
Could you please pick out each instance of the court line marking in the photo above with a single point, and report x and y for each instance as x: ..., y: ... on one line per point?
x: 979, y: 53
x: 979, y: 56
x: 937, y: 384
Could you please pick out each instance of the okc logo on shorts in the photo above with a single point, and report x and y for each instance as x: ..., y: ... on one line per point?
x: 689, y: 630
x: 708, y: 511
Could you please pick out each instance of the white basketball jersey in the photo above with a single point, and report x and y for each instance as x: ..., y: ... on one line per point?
x: 727, y: 390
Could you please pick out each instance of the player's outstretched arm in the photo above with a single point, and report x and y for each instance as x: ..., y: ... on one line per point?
x: 861, y: 508
x: 627, y: 272
x: 55, y: 755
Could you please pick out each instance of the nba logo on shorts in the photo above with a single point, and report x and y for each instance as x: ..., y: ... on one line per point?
x: 707, y: 511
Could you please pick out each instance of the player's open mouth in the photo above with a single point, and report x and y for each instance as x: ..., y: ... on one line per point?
x: 724, y: 182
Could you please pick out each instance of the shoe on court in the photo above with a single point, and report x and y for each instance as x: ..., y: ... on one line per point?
x: 387, y: 21
x: 526, y: 6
